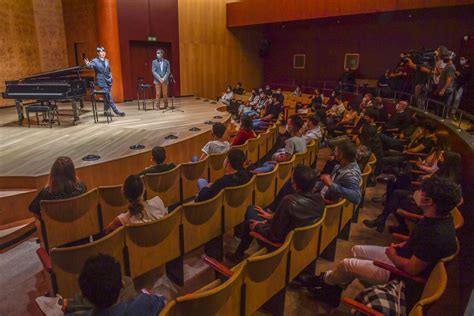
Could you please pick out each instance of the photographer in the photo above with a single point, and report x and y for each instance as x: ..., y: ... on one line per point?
x: 420, y: 80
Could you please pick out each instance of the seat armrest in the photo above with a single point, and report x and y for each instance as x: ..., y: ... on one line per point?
x: 45, y: 259
x: 216, y: 265
x: 400, y: 236
x: 415, y: 154
x: 145, y: 291
x: 416, y: 183
x: 409, y: 215
x: 361, y: 307
x: 418, y: 171
x: 265, y: 240
x: 398, y: 272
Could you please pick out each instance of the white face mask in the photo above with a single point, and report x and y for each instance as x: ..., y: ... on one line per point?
x: 417, y: 197
x: 462, y: 62
x: 398, y: 107
x: 158, y: 56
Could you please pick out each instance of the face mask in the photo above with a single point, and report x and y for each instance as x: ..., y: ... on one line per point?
x: 462, y: 62
x: 417, y: 197
x: 398, y: 107
x: 158, y: 55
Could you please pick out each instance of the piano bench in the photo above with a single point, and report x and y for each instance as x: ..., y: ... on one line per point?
x: 49, y: 112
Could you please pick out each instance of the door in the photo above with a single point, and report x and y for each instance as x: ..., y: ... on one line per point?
x: 141, y: 56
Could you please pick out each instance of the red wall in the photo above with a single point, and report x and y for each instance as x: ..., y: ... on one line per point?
x: 134, y: 17
x: 378, y: 38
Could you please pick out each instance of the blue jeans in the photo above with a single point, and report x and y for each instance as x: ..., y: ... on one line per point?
x: 258, y: 124
x: 266, y: 167
x: 251, y: 113
x: 109, y: 102
x: 202, y: 183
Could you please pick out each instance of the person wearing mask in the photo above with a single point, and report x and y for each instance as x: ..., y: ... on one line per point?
x: 62, y: 184
x: 227, y: 96
x: 138, y: 210
x: 449, y: 167
x: 245, y: 131
x: 383, y: 114
x: 158, y: 157
x: 433, y: 239
x: 103, y: 79
x: 445, y: 86
x: 298, y: 209
x: 238, y: 89
x: 366, y: 102
x: 235, y: 174
x: 336, y: 112
x: 340, y: 126
x: 160, y: 67
x: 400, y: 120
x: 246, y: 108
x: 272, y: 112
x: 268, y: 90
x: 280, y: 97
x: 312, y: 130
x: 463, y: 76
x: 344, y: 180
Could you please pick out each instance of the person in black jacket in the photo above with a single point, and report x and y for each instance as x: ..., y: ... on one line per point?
x: 298, y: 209
x: 158, y: 157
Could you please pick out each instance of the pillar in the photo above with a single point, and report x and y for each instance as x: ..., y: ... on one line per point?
x: 108, y: 37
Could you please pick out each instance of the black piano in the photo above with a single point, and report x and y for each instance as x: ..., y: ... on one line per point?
x: 66, y: 84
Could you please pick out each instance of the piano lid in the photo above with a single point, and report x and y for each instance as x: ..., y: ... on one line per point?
x: 58, y: 73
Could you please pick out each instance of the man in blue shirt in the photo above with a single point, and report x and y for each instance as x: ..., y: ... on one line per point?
x: 103, y: 79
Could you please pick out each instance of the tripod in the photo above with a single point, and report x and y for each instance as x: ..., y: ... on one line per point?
x: 172, y: 107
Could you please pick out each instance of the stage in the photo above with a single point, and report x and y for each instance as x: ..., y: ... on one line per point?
x: 31, y: 151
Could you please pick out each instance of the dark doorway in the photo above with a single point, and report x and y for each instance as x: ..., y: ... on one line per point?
x: 141, y: 56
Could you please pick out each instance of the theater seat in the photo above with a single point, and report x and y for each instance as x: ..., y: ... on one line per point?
x: 330, y: 230
x: 265, y: 187
x: 190, y: 173
x: 236, y: 201
x: 111, y: 202
x: 216, y: 166
x: 166, y: 185
x: 284, y: 172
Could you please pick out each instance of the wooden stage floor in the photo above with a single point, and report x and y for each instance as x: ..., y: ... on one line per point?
x: 31, y: 151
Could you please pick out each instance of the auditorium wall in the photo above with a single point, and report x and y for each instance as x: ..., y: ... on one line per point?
x: 32, y: 39
x: 212, y: 56
x: 378, y: 38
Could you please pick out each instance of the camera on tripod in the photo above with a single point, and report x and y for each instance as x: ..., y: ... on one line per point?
x: 425, y: 57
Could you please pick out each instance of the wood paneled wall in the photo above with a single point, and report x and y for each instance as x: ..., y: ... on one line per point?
x: 212, y: 56
x: 31, y: 37
x: 252, y: 12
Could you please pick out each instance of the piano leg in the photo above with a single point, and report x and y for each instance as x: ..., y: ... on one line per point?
x: 74, y: 111
x: 19, y: 110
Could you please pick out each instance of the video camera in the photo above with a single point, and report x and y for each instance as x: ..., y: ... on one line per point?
x: 425, y: 57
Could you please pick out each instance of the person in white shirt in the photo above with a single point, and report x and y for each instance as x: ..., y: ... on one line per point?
x: 216, y: 146
x: 297, y: 92
x: 227, y: 96
x: 336, y: 112
x: 313, y: 130
x: 139, y: 211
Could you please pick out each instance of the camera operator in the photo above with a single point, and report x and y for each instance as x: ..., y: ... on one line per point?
x: 420, y: 80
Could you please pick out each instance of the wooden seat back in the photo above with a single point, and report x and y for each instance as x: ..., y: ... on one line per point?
x: 150, y: 245
x: 299, y: 158
x: 252, y: 148
x: 263, y: 144
x: 190, y: 173
x: 217, y: 298
x: 330, y: 226
x: 111, y: 202
x: 68, y: 220
x: 242, y: 147
x: 67, y: 262
x: 304, y: 247
x: 284, y: 172
x: 166, y: 185
x: 202, y: 222
x: 265, y: 187
x: 216, y: 166
x: 236, y: 201
x: 265, y: 276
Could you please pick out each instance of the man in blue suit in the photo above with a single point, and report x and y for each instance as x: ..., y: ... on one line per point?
x: 103, y: 79
x: 161, y: 70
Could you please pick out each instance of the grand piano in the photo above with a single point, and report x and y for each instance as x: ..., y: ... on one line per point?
x: 68, y: 84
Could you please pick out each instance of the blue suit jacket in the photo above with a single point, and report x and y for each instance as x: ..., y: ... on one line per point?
x: 103, y: 75
x: 158, y: 73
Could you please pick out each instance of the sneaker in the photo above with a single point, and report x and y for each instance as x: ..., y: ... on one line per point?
x: 107, y: 113
x: 308, y: 280
x: 122, y: 114
x: 329, y: 294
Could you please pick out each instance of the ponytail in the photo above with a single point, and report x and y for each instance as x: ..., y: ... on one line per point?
x: 133, y: 190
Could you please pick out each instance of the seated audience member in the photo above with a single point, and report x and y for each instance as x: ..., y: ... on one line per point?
x: 336, y: 112
x: 227, y: 96
x: 312, y: 129
x: 62, y: 184
x: 272, y: 112
x: 138, y: 211
x: 246, y: 108
x: 369, y: 118
x: 370, y: 138
x: 383, y: 114
x: 298, y: 209
x: 317, y: 99
x: 363, y: 156
x: 263, y: 101
x: 297, y: 92
x: 345, y: 178
x: 295, y: 144
x: 366, y: 102
x: 433, y: 238
x: 158, y: 157
x: 238, y: 89
x: 340, y: 126
x: 245, y: 131
x: 280, y: 97
x: 216, y: 146
x: 101, y: 285
x: 400, y: 120
x: 235, y: 174
x: 268, y: 90
x: 402, y: 196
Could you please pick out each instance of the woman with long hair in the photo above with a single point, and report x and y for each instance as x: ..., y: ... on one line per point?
x: 62, y: 184
x: 138, y: 210
x: 430, y: 163
x: 245, y: 131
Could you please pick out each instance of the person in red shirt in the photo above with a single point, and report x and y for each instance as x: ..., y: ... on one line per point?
x: 245, y: 132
